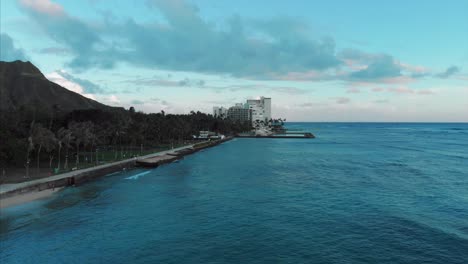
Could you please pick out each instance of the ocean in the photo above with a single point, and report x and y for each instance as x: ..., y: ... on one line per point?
x: 358, y: 193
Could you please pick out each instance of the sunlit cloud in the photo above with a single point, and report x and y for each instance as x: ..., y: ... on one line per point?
x: 46, y: 7
x: 73, y: 84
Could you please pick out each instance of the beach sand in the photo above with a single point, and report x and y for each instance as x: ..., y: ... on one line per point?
x: 27, y: 197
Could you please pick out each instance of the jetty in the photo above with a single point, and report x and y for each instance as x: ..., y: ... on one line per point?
x: 157, y: 160
x: 285, y: 134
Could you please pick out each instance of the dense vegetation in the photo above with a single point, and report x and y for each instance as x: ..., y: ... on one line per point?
x: 60, y: 140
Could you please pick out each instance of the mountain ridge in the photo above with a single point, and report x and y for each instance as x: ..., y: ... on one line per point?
x: 23, y: 85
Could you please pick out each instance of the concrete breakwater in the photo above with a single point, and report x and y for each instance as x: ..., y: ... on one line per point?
x: 84, y: 175
x: 307, y: 135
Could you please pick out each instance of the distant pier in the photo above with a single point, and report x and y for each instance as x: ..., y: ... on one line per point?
x: 279, y: 135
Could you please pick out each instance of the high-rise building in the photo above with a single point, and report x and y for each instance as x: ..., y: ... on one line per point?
x: 253, y: 110
x: 239, y: 112
x: 261, y: 108
x: 220, y: 112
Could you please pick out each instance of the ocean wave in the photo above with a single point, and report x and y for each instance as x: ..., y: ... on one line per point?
x: 136, y: 176
x: 429, y: 151
x: 457, y: 128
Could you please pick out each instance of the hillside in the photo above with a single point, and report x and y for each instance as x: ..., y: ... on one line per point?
x: 23, y: 85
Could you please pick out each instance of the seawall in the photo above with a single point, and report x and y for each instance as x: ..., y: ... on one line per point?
x: 84, y: 175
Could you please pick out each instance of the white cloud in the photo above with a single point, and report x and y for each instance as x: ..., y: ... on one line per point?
x: 58, y: 78
x: 43, y: 6
x: 114, y: 99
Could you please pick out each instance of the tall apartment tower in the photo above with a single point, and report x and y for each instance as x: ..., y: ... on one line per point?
x: 261, y: 108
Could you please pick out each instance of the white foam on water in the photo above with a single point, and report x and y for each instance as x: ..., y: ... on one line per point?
x: 136, y: 176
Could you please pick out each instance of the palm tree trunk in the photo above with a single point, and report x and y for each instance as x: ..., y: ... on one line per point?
x: 38, y: 155
x: 58, y: 165
x: 92, y: 152
x: 27, y: 167
x: 77, y: 155
x: 51, y: 158
x: 27, y: 163
x: 65, y: 166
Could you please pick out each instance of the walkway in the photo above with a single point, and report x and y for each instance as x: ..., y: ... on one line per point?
x: 14, y: 186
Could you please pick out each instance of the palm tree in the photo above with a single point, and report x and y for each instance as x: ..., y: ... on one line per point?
x: 64, y: 137
x: 42, y: 137
x: 49, y: 144
x: 30, y: 148
x: 80, y: 132
x: 91, y: 138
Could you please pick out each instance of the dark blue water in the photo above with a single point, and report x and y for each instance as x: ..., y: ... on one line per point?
x: 358, y: 193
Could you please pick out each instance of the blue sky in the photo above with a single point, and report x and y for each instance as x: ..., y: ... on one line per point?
x: 318, y: 60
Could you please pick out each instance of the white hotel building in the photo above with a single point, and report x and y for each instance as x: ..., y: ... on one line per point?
x: 261, y: 109
x: 258, y: 109
x: 220, y: 112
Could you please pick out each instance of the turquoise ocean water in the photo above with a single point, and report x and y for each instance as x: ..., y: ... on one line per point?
x: 358, y: 193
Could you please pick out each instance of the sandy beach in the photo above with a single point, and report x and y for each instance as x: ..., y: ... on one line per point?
x: 27, y: 197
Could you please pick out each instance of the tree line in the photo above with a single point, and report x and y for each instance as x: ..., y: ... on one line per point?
x: 58, y: 140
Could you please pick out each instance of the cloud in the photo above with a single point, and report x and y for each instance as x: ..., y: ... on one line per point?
x: 186, y: 42
x: 341, y: 100
x: 161, y: 102
x: 415, y: 71
x: 57, y: 78
x: 307, y: 105
x: 258, y: 87
x: 43, y: 6
x: 311, y: 104
x: 400, y: 90
x: 153, y: 82
x: 425, y: 92
x: 378, y: 89
x: 190, y: 82
x: 381, y: 101
x: 166, y: 82
x: 8, y: 52
x: 448, y: 72
x: 54, y: 51
x: 78, y: 85
x: 356, y: 57
x: 406, y: 90
x: 288, y: 90
x: 113, y: 99
x: 381, y: 68
x: 279, y: 48
x: 376, y: 67
x: 353, y: 90
x: 227, y: 101
x: 137, y: 102
x: 82, y: 40
x: 308, y: 75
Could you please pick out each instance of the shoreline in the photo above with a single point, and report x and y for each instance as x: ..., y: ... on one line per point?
x: 19, y: 193
x: 28, y: 197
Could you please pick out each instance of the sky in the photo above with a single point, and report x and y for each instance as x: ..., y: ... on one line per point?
x: 345, y: 61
